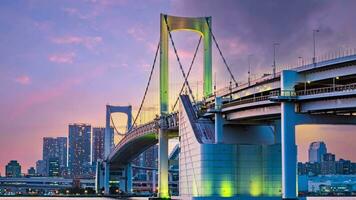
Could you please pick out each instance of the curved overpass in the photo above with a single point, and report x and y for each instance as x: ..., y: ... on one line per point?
x: 140, y: 139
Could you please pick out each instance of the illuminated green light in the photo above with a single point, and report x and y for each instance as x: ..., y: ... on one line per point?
x: 255, y: 188
x: 226, y: 189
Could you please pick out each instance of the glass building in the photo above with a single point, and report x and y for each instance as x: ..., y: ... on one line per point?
x: 99, y: 142
x: 79, y: 149
x: 13, y: 169
x: 316, y: 151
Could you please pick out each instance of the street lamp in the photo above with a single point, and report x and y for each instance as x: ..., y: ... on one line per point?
x: 249, y: 69
x: 314, y: 57
x: 274, y: 58
x: 300, y: 61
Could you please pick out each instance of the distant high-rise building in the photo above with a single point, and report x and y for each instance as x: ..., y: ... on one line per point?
x: 316, y: 151
x: 99, y: 142
x: 13, y: 169
x: 41, y: 168
x: 79, y: 149
x: 55, y: 148
x: 31, y: 171
x: 53, y: 167
x: 328, y: 164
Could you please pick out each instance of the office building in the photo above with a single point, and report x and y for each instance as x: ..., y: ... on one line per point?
x: 41, y: 168
x: 31, y: 171
x: 328, y: 164
x: 79, y: 150
x: 53, y: 167
x: 55, y: 148
x: 99, y: 142
x: 316, y: 151
x: 13, y: 169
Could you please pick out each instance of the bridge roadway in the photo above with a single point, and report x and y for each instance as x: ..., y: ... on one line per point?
x: 258, y: 101
x: 321, y: 93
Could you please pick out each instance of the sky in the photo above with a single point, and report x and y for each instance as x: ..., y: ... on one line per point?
x: 62, y: 61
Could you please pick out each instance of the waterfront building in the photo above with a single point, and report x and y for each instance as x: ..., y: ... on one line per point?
x: 79, y: 149
x: 55, y: 148
x: 328, y: 164
x: 41, y: 168
x: 316, y: 151
x: 31, y: 171
x: 13, y: 169
x: 53, y: 167
x: 98, y: 143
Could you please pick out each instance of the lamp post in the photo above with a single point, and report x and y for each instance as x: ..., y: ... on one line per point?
x: 249, y: 69
x: 274, y: 58
x: 314, y: 54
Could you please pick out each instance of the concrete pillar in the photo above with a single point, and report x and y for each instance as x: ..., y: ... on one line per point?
x: 163, y: 190
x: 99, y: 177
x: 128, y: 171
x: 154, y: 181
x: 106, y: 178
x: 218, y: 121
x: 107, y: 137
x: 289, y: 148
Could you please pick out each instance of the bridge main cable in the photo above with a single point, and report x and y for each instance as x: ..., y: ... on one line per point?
x: 221, y: 54
x: 180, y: 64
x: 147, y: 86
x: 189, y: 70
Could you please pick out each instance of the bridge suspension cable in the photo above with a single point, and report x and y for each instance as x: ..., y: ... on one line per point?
x: 188, y: 73
x: 147, y: 86
x: 113, y: 124
x: 220, y: 52
x: 178, y: 59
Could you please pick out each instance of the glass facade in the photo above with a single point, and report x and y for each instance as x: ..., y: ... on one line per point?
x: 226, y: 170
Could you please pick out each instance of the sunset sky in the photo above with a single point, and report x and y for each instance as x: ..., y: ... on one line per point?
x: 62, y: 61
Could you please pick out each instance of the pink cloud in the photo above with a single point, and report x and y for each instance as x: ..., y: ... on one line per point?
x: 137, y: 33
x: 65, y: 58
x: 235, y: 46
x: 88, y: 42
x: 23, y: 80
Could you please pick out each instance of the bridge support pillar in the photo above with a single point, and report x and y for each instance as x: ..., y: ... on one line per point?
x: 163, y: 189
x: 106, y: 178
x: 128, y: 172
x: 218, y: 121
x: 289, y: 148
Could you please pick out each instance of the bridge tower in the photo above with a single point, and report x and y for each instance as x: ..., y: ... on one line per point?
x: 202, y: 26
x: 105, y: 178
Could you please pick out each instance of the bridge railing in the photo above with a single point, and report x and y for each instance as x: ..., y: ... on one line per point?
x: 137, y: 131
x: 306, y: 63
x: 338, y: 88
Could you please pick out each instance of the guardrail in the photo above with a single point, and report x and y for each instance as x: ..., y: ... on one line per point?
x: 305, y: 63
x: 339, y: 88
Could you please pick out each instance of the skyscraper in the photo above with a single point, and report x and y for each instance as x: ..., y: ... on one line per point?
x: 55, y: 148
x: 13, y: 169
x: 41, y: 168
x: 316, y: 151
x: 79, y: 149
x: 99, y: 142
x: 53, y: 167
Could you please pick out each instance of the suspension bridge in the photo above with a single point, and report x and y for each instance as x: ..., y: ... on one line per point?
x: 235, y: 142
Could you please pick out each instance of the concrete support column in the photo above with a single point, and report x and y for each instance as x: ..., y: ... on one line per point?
x: 106, y: 178
x: 163, y: 190
x: 289, y: 152
x: 128, y: 171
x: 99, y: 177
x: 218, y: 121
x: 154, y: 181
x: 289, y: 149
x: 107, y: 136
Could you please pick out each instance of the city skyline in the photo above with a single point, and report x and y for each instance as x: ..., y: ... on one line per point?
x: 79, y: 50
